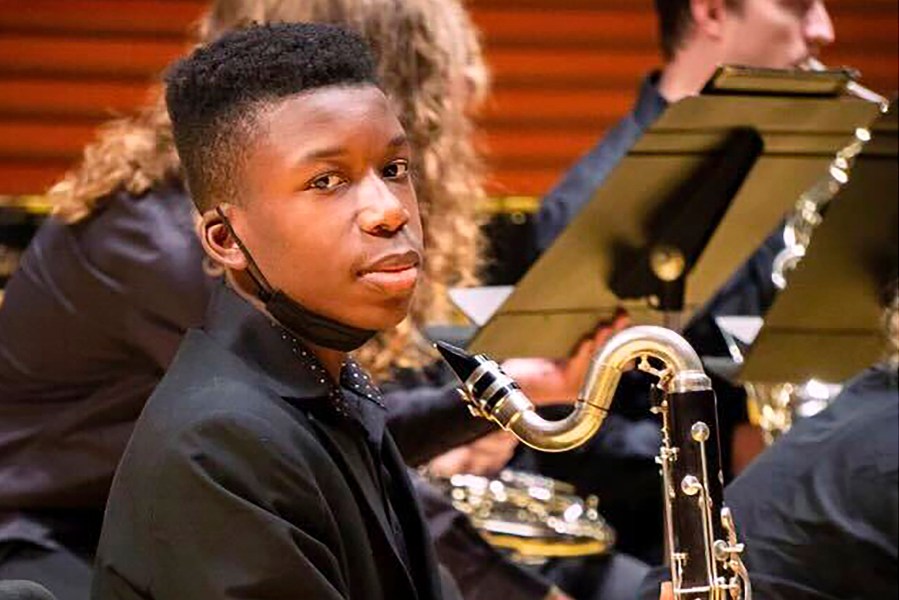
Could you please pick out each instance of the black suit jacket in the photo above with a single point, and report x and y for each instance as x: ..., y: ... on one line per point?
x: 240, y: 481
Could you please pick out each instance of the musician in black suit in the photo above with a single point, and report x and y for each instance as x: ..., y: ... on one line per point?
x: 260, y: 466
x: 695, y: 37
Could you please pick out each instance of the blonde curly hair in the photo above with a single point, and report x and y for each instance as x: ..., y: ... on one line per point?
x: 891, y: 326
x: 430, y: 64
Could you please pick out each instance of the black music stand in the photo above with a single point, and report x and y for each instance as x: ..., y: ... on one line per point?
x: 678, y: 229
x: 827, y: 323
x: 631, y: 247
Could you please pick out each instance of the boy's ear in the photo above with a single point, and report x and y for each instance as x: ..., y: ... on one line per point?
x: 218, y: 242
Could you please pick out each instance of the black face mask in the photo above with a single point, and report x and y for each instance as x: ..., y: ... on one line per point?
x: 293, y: 316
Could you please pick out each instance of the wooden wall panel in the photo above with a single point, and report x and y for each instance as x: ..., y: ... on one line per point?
x: 564, y: 71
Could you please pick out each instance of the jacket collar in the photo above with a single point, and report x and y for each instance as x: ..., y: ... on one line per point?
x: 287, y: 367
x: 650, y: 104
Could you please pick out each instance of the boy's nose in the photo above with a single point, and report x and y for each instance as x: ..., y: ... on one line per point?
x: 383, y: 213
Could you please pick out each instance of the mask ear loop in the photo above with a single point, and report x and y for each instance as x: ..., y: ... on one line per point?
x: 265, y: 289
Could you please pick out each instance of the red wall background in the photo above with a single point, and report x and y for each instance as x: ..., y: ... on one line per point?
x: 564, y: 70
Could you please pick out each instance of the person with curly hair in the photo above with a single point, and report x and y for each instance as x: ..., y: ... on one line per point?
x: 117, y: 276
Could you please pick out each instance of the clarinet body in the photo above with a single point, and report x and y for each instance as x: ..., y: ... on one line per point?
x: 701, y: 541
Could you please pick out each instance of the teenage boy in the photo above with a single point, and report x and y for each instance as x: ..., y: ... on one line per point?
x: 260, y: 466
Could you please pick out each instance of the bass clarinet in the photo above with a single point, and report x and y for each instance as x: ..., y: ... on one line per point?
x: 701, y: 540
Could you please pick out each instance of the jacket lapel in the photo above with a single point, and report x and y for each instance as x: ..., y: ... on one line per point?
x: 339, y: 446
x: 420, y: 545
x: 264, y: 346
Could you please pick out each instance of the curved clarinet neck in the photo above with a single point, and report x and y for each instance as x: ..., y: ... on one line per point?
x: 703, y: 550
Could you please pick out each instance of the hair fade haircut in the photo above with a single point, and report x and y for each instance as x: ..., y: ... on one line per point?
x: 215, y: 95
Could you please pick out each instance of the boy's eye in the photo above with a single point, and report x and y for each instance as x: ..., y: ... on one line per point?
x: 326, y: 182
x: 396, y: 170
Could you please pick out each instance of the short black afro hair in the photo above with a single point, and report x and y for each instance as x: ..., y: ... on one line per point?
x: 214, y: 95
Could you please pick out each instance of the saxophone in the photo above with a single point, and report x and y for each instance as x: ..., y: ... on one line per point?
x: 774, y: 406
x: 704, y: 553
x: 807, y: 214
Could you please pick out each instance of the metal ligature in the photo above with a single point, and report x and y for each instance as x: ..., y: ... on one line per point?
x: 703, y: 550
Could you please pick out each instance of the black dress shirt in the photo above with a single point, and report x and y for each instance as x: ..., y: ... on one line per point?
x: 250, y: 475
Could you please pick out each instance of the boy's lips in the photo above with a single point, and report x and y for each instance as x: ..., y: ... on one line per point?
x: 395, y: 273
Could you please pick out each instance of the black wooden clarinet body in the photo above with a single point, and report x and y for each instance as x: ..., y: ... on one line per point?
x: 703, y: 551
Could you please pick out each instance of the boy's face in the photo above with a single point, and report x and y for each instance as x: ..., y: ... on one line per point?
x: 330, y: 214
x: 776, y: 33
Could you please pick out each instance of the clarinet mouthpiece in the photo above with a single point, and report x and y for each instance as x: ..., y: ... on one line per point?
x: 461, y: 362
